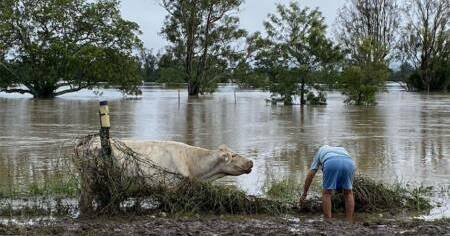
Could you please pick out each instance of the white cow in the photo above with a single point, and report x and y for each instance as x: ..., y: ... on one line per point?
x: 188, y: 161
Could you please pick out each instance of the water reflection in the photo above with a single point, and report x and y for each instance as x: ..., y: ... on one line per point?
x: 406, y: 137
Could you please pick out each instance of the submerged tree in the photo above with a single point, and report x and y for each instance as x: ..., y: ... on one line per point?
x: 295, y: 47
x: 49, y: 48
x: 362, y: 80
x: 367, y: 33
x: 201, y: 36
x: 403, y: 74
x: 171, y: 70
x: 426, y: 43
x: 246, y: 76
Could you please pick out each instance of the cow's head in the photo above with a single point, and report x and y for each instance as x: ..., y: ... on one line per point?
x: 232, y: 163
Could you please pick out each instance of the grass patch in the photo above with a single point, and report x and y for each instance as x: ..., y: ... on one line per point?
x: 286, y: 190
x: 67, y: 187
x: 53, y: 197
x: 55, y: 188
x: 50, y: 195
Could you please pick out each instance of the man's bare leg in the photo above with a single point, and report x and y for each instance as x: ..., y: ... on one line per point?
x: 326, y: 202
x: 349, y: 204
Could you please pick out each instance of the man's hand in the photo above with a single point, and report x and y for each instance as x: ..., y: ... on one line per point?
x: 302, y: 200
x: 308, y: 181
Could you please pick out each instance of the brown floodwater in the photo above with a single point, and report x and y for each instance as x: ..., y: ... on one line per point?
x: 406, y: 137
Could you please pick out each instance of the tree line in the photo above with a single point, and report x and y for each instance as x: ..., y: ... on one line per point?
x: 48, y: 48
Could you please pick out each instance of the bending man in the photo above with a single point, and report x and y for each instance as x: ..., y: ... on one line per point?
x: 338, y: 169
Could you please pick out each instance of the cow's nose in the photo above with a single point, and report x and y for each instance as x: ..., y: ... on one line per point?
x: 250, y: 164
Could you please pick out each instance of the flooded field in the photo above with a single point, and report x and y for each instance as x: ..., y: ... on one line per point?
x: 406, y: 137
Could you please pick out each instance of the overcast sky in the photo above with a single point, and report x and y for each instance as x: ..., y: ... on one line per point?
x: 150, y: 15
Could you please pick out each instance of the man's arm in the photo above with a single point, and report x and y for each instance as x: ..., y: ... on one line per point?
x: 312, y: 172
x: 308, y: 181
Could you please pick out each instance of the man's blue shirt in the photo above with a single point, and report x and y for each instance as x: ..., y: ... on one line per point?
x: 326, y: 152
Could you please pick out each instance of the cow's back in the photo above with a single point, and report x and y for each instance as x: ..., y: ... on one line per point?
x: 172, y: 156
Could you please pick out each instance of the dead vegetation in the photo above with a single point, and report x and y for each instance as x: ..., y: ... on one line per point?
x: 370, y: 197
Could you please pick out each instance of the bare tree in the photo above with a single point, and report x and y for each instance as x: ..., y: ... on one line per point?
x: 374, y: 20
x: 425, y: 41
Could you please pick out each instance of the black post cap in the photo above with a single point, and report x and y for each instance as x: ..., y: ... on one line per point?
x: 103, y: 103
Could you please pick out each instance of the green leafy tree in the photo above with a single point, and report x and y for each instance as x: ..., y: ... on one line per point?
x: 245, y: 73
x: 367, y: 33
x: 149, y: 68
x: 53, y: 47
x: 171, y: 71
x: 295, y: 47
x: 360, y: 84
x: 202, y: 34
x: 247, y: 77
x: 362, y: 80
x: 264, y: 55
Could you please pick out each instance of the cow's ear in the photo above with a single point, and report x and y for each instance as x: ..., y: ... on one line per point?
x: 224, y: 148
x: 225, y: 157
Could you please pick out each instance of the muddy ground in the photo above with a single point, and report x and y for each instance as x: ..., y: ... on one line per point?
x: 225, y: 225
